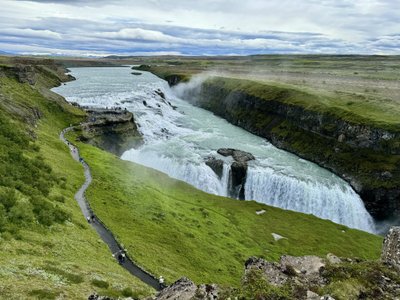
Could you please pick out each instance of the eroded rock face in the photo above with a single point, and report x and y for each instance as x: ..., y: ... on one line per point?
x: 391, y: 247
x: 26, y: 74
x: 111, y: 130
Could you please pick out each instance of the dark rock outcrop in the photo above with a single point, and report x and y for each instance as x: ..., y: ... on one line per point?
x: 26, y: 74
x: 238, y: 155
x: 98, y: 297
x: 111, y: 130
x: 174, y: 79
x: 160, y: 93
x: 217, y: 165
x: 381, y: 202
x: 238, y: 172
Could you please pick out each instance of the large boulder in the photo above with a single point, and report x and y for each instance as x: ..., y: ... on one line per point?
x: 391, y: 247
x: 207, y: 292
x: 305, y: 265
x: 304, y: 269
x: 271, y: 270
x: 182, y: 289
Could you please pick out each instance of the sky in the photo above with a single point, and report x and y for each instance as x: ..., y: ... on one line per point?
x: 203, y: 27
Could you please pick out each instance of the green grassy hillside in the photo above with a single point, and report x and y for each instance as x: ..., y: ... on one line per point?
x: 173, y: 229
x: 47, y: 250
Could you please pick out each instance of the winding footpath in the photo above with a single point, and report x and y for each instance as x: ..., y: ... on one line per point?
x: 104, y: 233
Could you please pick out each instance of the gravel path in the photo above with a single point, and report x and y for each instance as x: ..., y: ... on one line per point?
x: 105, y: 234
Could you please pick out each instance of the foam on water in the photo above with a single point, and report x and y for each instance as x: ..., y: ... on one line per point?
x: 178, y: 141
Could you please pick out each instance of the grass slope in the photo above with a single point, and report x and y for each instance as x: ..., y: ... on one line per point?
x: 47, y: 250
x: 173, y: 229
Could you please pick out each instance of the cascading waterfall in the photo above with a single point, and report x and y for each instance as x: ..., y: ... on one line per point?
x: 178, y: 141
x: 338, y: 203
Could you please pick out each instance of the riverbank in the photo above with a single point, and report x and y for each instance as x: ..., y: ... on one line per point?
x: 356, y: 140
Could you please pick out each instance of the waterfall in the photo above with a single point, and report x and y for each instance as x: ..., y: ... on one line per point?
x: 178, y: 139
x: 336, y: 202
x: 198, y: 175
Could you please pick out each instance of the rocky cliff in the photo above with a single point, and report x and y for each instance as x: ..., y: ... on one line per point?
x: 367, y: 156
x: 113, y: 130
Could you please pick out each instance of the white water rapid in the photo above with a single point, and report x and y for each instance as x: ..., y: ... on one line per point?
x: 179, y: 139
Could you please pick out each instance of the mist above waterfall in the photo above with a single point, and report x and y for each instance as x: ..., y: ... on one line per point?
x: 190, y: 89
x: 179, y: 137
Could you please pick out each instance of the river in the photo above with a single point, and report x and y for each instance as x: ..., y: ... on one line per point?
x: 178, y: 138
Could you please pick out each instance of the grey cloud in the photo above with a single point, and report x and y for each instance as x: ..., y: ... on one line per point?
x: 340, y: 26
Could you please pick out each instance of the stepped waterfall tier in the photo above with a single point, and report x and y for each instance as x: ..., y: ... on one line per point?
x: 179, y: 138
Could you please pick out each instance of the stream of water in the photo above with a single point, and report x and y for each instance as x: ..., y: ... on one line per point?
x: 179, y: 137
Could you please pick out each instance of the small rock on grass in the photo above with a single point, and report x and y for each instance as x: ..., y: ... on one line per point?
x: 277, y: 237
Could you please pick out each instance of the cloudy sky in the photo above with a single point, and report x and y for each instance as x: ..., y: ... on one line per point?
x: 203, y: 27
